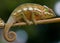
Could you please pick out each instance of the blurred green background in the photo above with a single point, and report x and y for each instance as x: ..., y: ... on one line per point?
x: 43, y: 33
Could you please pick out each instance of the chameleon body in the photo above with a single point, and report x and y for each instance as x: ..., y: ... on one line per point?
x: 26, y: 13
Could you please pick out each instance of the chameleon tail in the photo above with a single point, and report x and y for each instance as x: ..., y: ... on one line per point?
x: 9, y: 35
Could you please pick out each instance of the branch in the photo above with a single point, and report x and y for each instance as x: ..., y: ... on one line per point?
x: 53, y: 20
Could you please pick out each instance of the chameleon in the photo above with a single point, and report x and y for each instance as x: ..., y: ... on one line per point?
x: 25, y: 13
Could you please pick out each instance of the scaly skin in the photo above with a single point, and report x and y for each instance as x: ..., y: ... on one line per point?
x: 26, y: 13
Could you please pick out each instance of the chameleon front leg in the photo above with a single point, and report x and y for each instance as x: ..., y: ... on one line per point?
x: 9, y: 35
x: 25, y: 18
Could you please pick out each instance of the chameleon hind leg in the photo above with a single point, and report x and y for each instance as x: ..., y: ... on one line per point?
x: 33, y: 18
x: 25, y: 19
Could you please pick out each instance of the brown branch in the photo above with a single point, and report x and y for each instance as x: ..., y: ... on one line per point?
x: 53, y: 20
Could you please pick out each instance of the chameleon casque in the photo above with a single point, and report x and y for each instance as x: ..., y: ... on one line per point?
x: 28, y: 12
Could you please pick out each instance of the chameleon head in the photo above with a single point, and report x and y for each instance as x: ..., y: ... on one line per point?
x: 48, y: 13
